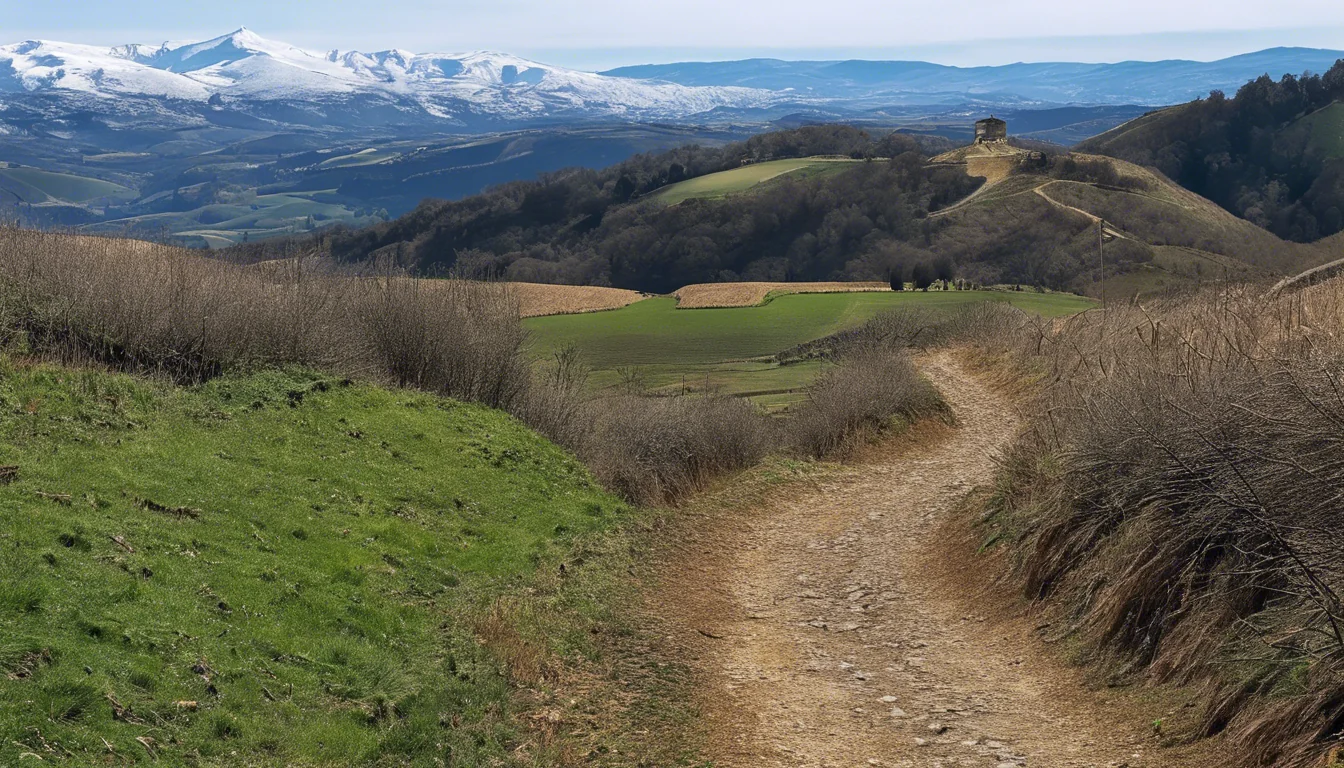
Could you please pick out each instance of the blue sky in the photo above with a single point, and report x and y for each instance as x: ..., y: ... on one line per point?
x: 601, y: 33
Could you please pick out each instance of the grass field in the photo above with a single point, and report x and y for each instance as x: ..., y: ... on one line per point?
x: 34, y: 186
x: 271, y: 570
x: 362, y: 158
x: 656, y: 343
x: 746, y: 177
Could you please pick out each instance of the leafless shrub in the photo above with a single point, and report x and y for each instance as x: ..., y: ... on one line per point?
x: 149, y: 308
x: 454, y: 337
x: 659, y: 449
x: 556, y: 403
x: 858, y: 399
x: 1180, y: 494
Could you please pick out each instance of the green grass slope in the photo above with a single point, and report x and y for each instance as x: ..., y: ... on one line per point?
x: 65, y: 187
x: 278, y: 569
x: 1321, y: 133
x: 746, y: 177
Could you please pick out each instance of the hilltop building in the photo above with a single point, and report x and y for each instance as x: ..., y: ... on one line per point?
x: 991, y: 129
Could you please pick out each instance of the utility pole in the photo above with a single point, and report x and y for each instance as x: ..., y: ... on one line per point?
x: 1101, y: 256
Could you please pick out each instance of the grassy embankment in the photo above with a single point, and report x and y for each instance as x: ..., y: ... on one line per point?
x: 278, y: 569
x: 746, y: 177
x: 730, y: 350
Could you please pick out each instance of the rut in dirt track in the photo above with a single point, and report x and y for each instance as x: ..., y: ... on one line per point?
x: 827, y: 632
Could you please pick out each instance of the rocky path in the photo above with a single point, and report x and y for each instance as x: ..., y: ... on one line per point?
x: 827, y: 631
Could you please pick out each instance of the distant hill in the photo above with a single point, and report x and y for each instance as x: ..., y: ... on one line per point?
x: 1273, y: 154
x: 920, y: 82
x: 999, y: 213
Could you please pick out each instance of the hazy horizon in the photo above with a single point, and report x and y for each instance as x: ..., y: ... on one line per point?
x: 600, y: 34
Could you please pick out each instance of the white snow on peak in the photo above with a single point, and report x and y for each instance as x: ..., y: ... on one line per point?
x: 244, y: 65
x: 40, y: 65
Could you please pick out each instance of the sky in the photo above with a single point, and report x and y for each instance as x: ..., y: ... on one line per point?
x: 597, y: 34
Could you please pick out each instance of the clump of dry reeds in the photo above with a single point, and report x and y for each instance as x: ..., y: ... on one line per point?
x: 1180, y: 498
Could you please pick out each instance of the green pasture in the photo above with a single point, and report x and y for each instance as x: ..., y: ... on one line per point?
x: 653, y: 345
x: 746, y: 177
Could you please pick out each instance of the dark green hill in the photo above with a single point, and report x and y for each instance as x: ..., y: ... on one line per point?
x: 1273, y: 154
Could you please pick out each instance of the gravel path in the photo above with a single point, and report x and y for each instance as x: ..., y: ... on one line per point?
x: 827, y: 631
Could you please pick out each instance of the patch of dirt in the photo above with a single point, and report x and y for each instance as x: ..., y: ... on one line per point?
x: 825, y: 629
x: 712, y: 295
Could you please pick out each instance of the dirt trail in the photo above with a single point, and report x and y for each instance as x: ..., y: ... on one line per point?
x: 826, y: 631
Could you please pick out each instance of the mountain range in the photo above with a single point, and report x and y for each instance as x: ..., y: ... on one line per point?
x: 1041, y: 84
x: 244, y: 68
x: 245, y: 75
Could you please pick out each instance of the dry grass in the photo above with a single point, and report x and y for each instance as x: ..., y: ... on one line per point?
x: 539, y: 299
x: 855, y: 402
x: 712, y: 295
x: 161, y: 310
x: 1178, y: 502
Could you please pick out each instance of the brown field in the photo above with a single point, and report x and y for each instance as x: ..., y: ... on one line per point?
x: 709, y: 295
x: 538, y: 299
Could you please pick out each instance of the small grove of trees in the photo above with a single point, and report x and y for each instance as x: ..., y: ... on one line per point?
x: 924, y: 274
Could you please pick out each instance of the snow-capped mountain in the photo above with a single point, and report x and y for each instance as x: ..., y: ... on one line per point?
x: 244, y: 67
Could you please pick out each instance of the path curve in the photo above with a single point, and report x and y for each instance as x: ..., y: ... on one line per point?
x: 825, y: 633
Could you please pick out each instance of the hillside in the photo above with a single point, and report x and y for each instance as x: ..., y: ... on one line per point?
x: 768, y: 210
x: 742, y: 179
x: 277, y: 568
x: 1273, y: 154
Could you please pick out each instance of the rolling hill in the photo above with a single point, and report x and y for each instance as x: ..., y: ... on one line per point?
x: 1002, y: 214
x: 188, y: 126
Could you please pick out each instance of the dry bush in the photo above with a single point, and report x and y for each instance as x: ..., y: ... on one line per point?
x: 1179, y: 498
x: 855, y: 401
x: 452, y: 337
x: 163, y: 310
x: 556, y: 402
x: 660, y: 449
x: 155, y: 308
